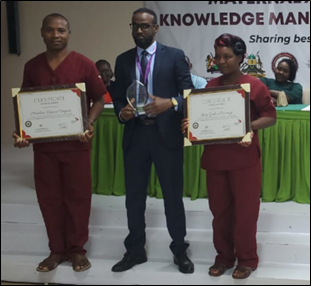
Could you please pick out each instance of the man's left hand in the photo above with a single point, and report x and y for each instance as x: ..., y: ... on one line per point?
x: 159, y: 105
x: 88, y: 135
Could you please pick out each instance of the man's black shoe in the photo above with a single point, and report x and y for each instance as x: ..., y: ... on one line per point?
x: 128, y: 261
x: 184, y: 263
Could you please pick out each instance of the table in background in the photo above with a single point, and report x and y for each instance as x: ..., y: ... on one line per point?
x: 285, y: 159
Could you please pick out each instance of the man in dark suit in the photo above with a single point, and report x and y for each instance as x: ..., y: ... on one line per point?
x: 153, y: 138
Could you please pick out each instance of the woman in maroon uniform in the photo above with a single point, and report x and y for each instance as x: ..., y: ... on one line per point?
x: 233, y: 171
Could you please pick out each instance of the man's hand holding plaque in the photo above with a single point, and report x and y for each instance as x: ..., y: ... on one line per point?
x: 157, y: 106
x: 128, y: 112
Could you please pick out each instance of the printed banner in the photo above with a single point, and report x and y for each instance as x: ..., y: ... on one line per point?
x: 272, y: 30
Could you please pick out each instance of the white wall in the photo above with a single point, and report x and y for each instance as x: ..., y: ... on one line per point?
x: 99, y: 30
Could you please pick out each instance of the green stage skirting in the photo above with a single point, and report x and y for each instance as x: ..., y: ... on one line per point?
x: 285, y: 159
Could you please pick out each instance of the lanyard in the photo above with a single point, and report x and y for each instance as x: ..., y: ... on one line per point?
x: 148, y: 66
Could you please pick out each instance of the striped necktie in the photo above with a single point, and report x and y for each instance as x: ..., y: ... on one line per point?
x: 143, y: 64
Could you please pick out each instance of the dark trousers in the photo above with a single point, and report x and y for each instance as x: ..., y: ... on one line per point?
x: 234, y: 199
x: 146, y: 146
x: 63, y: 185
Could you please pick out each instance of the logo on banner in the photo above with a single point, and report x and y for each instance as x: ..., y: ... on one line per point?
x: 253, y: 66
x: 281, y: 56
x: 211, y: 66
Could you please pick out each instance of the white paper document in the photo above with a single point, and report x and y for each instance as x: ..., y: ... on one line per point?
x: 306, y: 108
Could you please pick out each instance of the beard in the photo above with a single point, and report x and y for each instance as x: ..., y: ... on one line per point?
x: 143, y: 43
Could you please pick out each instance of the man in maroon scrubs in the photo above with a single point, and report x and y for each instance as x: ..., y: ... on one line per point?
x: 62, y: 169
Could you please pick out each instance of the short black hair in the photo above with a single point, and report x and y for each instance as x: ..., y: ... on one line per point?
x: 234, y: 42
x: 102, y: 62
x: 292, y: 68
x: 55, y: 15
x: 148, y: 11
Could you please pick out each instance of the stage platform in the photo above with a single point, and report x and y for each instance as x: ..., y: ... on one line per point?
x: 283, y: 238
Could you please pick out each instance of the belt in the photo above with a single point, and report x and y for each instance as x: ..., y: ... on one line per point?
x: 146, y: 121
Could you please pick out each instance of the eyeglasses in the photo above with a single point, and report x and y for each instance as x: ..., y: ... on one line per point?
x: 143, y: 27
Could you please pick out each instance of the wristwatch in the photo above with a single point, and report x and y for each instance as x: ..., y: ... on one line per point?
x: 174, y: 102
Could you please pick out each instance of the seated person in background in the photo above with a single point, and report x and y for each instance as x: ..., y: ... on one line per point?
x: 198, y: 81
x: 106, y: 73
x: 285, y: 75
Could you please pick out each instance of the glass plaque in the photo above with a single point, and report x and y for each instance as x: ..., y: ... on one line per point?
x: 137, y: 96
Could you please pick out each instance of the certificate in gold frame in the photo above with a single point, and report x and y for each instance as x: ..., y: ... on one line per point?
x: 52, y: 113
x: 218, y: 115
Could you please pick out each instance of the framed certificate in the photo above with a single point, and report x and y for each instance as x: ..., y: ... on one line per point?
x: 218, y: 115
x: 54, y: 113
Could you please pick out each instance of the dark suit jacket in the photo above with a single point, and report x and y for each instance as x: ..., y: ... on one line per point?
x: 171, y: 76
